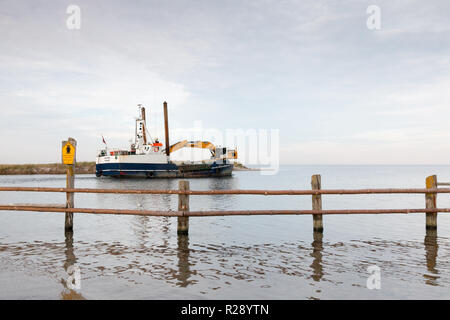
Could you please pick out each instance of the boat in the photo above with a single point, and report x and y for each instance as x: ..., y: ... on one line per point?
x: 147, y: 157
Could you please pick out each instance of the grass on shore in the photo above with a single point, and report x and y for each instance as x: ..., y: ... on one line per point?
x: 45, y: 168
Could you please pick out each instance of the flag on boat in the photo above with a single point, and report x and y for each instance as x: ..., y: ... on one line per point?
x: 103, y: 140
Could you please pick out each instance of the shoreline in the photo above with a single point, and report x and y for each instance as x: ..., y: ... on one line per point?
x: 245, y: 169
x: 45, y: 168
x: 58, y: 168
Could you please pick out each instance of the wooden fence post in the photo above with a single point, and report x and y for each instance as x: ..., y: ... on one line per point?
x: 317, y: 203
x: 430, y: 202
x: 69, y: 159
x: 183, y: 205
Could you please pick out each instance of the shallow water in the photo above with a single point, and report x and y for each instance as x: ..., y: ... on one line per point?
x: 257, y: 257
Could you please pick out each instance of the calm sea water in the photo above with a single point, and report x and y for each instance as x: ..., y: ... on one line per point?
x: 256, y: 257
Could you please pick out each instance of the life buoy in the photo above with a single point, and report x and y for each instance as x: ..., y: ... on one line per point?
x: 155, y: 149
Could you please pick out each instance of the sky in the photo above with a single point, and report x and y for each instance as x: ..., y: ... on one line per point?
x: 336, y: 91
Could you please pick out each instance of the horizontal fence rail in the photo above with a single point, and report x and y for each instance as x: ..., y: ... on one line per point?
x: 234, y: 192
x: 183, y: 213
x: 216, y: 212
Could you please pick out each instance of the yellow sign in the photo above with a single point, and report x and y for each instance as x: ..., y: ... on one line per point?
x: 68, y: 153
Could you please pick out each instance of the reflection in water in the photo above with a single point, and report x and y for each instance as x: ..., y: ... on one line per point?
x: 431, y: 252
x: 184, y: 271
x: 71, y: 260
x: 139, y: 226
x: 209, y: 268
x: 222, y: 183
x: 317, y: 256
x: 217, y: 202
x: 70, y: 255
x: 137, y: 201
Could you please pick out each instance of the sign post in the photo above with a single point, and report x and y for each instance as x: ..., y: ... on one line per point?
x: 69, y: 148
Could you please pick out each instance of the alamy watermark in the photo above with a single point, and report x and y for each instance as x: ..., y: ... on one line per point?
x: 374, y: 20
x: 73, y: 21
x: 374, y: 280
x: 73, y: 280
x: 259, y: 147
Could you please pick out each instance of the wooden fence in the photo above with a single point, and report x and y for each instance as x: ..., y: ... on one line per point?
x: 183, y: 213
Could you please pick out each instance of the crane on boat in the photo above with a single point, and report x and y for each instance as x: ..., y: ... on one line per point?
x: 216, y: 152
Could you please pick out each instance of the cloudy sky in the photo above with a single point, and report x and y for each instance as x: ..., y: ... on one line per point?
x: 338, y: 92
